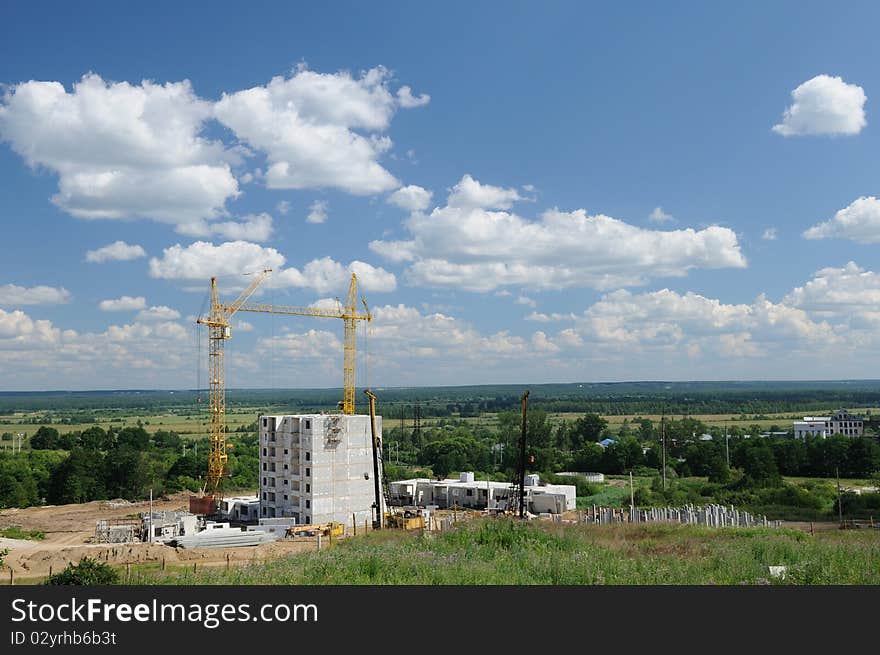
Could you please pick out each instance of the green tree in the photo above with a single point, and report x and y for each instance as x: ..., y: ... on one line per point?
x: 77, y: 479
x: 87, y: 572
x: 588, y: 428
x: 717, y: 470
x: 45, y: 438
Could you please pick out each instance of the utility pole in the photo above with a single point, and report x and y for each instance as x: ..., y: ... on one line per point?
x: 522, y: 456
x: 663, y: 441
x: 727, y: 444
x: 839, y: 505
x: 632, y: 495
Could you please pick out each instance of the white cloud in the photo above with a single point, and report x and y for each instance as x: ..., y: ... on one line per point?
x: 465, y: 246
x: 283, y: 206
x: 660, y: 216
x: 123, y: 304
x: 202, y: 260
x: 770, y: 234
x: 412, y: 198
x: 118, y: 251
x: 540, y: 317
x: 243, y: 326
x: 824, y: 105
x: 18, y: 330
x: 14, y: 295
x: 667, y: 319
x: 45, y: 356
x: 525, y: 300
x: 311, y: 345
x: 158, y: 313
x: 253, y: 227
x: 306, y: 125
x: 407, y: 100
x: 847, y: 295
x: 325, y: 275
x: 471, y: 194
x: 317, y: 212
x: 121, y: 150
x: 541, y: 343
x: 860, y: 221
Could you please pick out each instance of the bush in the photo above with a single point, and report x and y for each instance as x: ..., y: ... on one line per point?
x: 87, y: 572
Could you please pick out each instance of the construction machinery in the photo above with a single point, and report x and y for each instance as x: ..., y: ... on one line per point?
x: 384, y: 515
x: 331, y: 529
x: 218, y: 322
x: 219, y: 330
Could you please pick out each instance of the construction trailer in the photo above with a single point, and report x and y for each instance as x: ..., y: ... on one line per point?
x: 318, y: 468
x: 469, y: 493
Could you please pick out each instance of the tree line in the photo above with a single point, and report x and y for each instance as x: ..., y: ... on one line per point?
x: 99, y: 464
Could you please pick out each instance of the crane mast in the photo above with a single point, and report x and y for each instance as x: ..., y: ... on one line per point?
x: 219, y: 331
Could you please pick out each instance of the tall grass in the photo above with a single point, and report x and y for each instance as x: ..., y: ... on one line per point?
x: 500, y: 551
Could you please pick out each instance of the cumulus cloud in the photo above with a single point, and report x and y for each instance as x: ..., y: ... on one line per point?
x: 283, y: 206
x: 254, y: 227
x: 318, y: 130
x: 158, y: 313
x: 541, y: 317
x: 468, y: 246
x: 824, y: 105
x: 660, y: 216
x: 121, y: 150
x: 203, y: 260
x: 525, y: 300
x: 412, y: 198
x: 118, y: 251
x: 325, y: 274
x: 407, y: 100
x: 317, y: 212
x: 310, y: 345
x: 45, y: 356
x: 471, y: 194
x: 860, y: 221
x: 17, y: 296
x: 770, y: 234
x: 123, y: 304
x: 668, y: 319
x: 849, y: 294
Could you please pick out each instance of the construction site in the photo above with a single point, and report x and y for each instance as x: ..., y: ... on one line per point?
x: 321, y: 477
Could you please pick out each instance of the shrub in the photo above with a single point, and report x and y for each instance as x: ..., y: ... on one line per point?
x: 87, y: 572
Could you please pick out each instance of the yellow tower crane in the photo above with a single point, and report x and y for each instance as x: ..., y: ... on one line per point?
x: 220, y: 330
x: 348, y: 313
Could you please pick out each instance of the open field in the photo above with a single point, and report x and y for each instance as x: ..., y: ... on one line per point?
x: 502, y: 551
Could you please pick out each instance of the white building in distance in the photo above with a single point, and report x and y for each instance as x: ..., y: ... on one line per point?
x: 468, y: 493
x: 825, y: 426
x: 317, y: 468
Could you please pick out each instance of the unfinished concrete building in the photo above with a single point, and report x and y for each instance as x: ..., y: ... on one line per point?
x: 468, y: 493
x: 317, y: 468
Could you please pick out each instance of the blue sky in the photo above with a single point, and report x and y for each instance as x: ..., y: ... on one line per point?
x: 490, y: 170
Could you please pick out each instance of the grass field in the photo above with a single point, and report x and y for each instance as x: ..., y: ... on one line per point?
x: 500, y: 551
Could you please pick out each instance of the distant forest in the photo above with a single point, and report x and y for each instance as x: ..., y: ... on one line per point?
x: 608, y: 399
